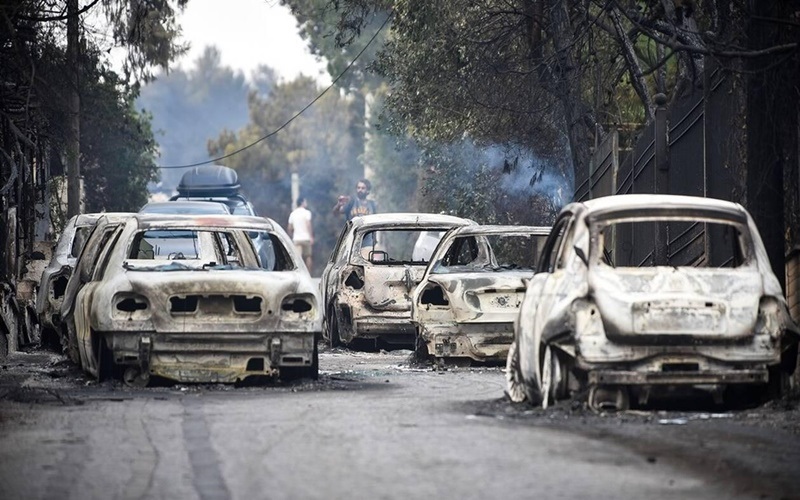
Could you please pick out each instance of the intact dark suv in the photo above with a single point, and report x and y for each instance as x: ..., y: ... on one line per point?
x: 214, y: 183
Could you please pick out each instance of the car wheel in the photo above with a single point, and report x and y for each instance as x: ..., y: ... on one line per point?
x: 69, y: 340
x: 333, y: 329
x: 778, y: 384
x: 548, y: 373
x: 134, y: 377
x: 313, y: 370
x: 421, y: 353
x: 105, y: 359
x: 515, y: 385
x: 555, y: 375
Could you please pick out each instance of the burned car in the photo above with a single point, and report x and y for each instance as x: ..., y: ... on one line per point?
x: 53, y: 282
x: 188, y: 299
x: 368, y: 281
x: 467, y: 300
x: 637, y: 295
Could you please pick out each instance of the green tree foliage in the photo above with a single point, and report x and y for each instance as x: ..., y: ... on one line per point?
x: 319, y: 145
x: 536, y: 72
x: 189, y: 107
x: 149, y: 30
x: 118, y: 149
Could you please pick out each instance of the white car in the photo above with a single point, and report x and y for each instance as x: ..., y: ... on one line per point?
x: 54, y: 279
x: 187, y: 298
x: 371, y: 274
x: 467, y: 300
x: 639, y: 294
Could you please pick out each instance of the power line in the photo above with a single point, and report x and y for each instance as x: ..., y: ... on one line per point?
x: 290, y: 120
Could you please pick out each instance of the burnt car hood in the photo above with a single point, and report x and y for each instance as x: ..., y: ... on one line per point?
x: 713, y: 304
x: 389, y: 288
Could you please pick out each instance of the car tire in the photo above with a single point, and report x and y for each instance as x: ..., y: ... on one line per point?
x: 515, y: 385
x: 548, y: 372
x: 313, y: 370
x: 69, y: 340
x: 333, y: 329
x: 421, y: 353
x: 107, y: 368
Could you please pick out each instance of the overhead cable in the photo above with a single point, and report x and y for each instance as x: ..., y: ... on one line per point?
x: 290, y: 120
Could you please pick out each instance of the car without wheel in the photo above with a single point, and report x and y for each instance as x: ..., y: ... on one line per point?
x: 466, y: 302
x: 188, y: 299
x: 371, y: 274
x: 642, y: 294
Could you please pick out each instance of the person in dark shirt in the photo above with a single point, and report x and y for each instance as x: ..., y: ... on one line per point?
x: 359, y: 204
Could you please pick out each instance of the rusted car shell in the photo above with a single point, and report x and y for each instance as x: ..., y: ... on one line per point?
x: 651, y: 326
x: 194, y: 322
x: 474, y: 317
x: 379, y: 305
x: 54, y: 279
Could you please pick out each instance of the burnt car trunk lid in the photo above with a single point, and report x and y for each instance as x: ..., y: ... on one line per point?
x: 485, y: 299
x: 690, y: 303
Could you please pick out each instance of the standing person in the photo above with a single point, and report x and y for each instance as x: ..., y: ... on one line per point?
x: 301, y: 231
x: 359, y: 205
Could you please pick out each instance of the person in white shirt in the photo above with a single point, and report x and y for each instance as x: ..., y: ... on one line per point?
x: 301, y: 231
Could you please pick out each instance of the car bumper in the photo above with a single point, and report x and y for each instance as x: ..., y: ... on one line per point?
x: 211, y: 357
x: 478, y: 341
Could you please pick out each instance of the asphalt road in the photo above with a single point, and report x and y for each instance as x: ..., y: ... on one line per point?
x: 373, y: 426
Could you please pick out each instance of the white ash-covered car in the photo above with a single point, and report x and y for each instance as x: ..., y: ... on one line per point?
x: 54, y: 279
x: 368, y: 280
x: 187, y: 298
x: 641, y: 294
x: 467, y: 300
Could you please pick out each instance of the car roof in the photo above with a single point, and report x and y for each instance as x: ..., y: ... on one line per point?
x: 243, y: 222
x: 185, y: 207
x: 401, y: 219
x: 91, y: 219
x: 488, y: 229
x: 608, y: 205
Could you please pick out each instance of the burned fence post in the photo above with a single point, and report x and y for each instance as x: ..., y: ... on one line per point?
x: 661, y: 134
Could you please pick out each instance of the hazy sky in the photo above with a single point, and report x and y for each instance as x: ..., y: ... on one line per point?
x: 249, y: 33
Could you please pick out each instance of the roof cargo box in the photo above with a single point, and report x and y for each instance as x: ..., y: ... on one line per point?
x: 209, y: 180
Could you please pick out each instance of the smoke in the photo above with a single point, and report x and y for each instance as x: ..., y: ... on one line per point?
x: 525, y: 173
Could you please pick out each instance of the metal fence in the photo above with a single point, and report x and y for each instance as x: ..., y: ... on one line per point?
x: 696, y: 161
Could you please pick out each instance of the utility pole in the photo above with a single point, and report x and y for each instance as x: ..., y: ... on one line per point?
x: 74, y: 138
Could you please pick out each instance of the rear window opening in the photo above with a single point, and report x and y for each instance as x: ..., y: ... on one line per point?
x: 677, y: 242
x: 166, y: 245
x: 491, y: 253
x: 399, y: 246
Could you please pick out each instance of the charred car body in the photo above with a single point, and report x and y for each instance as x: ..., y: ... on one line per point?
x: 372, y: 271
x: 53, y: 283
x: 187, y: 298
x: 467, y: 301
x: 638, y: 293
